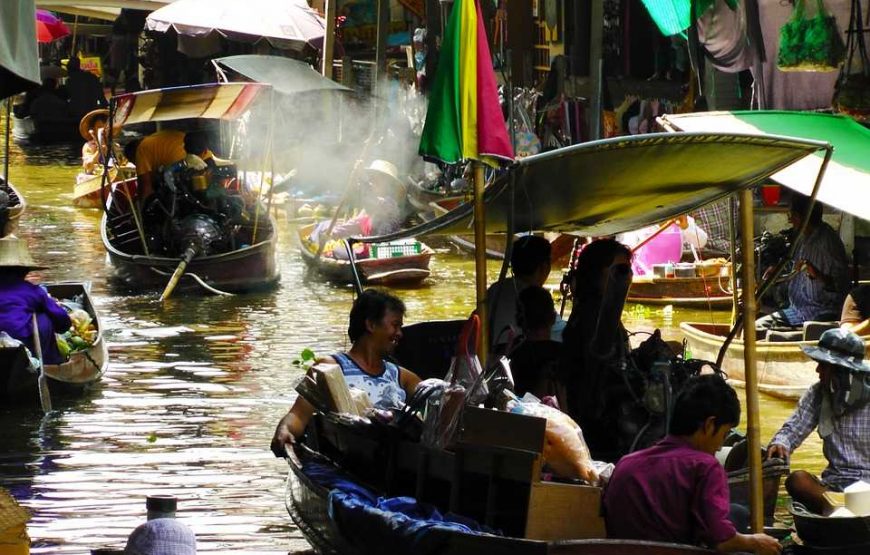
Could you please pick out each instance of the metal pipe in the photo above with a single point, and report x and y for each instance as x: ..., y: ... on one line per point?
x: 383, y: 29
x: 753, y: 425
x: 480, y: 259
x: 732, y: 238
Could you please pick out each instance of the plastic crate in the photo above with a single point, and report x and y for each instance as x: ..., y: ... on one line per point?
x: 392, y: 250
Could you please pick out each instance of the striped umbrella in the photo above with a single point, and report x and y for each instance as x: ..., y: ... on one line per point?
x: 464, y: 120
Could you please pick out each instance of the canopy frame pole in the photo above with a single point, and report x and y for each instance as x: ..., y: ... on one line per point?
x: 383, y: 29
x: 267, y: 160
x: 271, y: 154
x: 329, y: 38
x: 753, y: 425
x: 6, y: 142
x: 480, y: 259
x: 732, y: 246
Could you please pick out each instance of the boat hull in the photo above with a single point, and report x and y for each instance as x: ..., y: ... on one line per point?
x: 30, y: 131
x: 399, y: 270
x: 248, y: 268
x: 689, y: 292
x: 784, y: 371
x: 17, y: 205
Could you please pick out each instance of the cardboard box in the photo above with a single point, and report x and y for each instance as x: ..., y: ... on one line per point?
x: 564, y: 512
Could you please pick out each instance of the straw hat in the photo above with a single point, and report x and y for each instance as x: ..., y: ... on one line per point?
x: 88, y: 122
x: 383, y: 167
x: 161, y: 536
x: 15, y: 254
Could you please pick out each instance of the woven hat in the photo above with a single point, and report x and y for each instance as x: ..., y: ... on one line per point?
x: 88, y: 122
x: 841, y: 348
x: 161, y: 536
x: 15, y: 254
x: 383, y: 167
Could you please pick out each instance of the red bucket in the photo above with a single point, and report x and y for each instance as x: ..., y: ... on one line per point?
x: 770, y: 195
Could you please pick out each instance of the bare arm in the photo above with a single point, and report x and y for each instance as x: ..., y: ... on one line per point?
x: 761, y: 544
x: 408, y: 380
x: 292, y: 425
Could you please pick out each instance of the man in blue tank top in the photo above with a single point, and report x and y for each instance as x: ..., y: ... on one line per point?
x: 375, y: 329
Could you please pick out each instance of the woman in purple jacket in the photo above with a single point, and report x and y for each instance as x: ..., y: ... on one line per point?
x: 20, y: 300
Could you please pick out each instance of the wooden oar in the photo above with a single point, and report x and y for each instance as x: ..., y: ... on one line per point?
x: 188, y: 255
x: 41, y: 380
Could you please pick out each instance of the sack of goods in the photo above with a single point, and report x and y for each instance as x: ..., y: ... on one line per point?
x: 810, y: 44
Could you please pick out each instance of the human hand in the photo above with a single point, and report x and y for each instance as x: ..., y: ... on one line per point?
x: 281, y: 439
x: 683, y: 221
x: 762, y: 544
x: 777, y: 451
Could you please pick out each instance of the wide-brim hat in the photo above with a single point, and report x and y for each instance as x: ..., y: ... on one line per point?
x: 15, y: 254
x: 841, y: 348
x: 165, y: 536
x: 87, y: 121
x: 383, y: 167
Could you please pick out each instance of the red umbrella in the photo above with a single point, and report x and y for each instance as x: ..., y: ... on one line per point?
x: 49, y: 27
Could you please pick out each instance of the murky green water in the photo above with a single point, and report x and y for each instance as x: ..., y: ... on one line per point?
x: 191, y: 412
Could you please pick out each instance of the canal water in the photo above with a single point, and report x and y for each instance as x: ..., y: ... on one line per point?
x: 195, y: 387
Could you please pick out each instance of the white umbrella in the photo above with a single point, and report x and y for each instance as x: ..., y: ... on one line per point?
x: 284, y: 23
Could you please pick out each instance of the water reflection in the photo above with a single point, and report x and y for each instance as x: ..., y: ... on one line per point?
x: 194, y: 389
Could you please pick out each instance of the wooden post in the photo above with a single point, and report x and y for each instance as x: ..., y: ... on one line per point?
x: 480, y: 260
x: 329, y: 39
x: 753, y: 426
x: 383, y: 16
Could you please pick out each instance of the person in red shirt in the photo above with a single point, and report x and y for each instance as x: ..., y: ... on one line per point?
x: 676, y: 491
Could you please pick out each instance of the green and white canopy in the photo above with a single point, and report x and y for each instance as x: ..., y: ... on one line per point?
x: 846, y: 185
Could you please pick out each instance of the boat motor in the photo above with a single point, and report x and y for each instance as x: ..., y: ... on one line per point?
x: 194, y: 235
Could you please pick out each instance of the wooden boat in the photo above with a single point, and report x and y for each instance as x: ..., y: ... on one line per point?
x: 30, y: 131
x: 698, y: 292
x: 821, y: 535
x: 308, y: 501
x: 251, y: 261
x: 251, y: 266
x: 17, y: 205
x: 784, y: 370
x: 398, y: 270
x: 71, y: 378
x: 86, y: 191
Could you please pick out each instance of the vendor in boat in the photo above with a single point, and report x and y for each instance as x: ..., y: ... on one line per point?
x: 819, y: 280
x: 530, y: 263
x: 856, y: 311
x: 595, y: 341
x: 162, y: 149
x: 838, y: 406
x: 92, y: 128
x: 535, y: 361
x: 676, y: 491
x: 20, y: 300
x: 375, y: 329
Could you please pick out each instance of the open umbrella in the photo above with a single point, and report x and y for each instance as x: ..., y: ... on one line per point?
x: 464, y: 120
x: 284, y: 23
x: 49, y: 27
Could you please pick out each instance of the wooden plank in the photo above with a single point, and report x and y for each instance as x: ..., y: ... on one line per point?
x: 564, y: 511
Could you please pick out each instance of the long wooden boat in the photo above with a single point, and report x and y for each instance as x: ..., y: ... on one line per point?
x: 86, y: 191
x: 250, y: 267
x: 784, y: 370
x: 701, y: 292
x: 17, y: 205
x: 398, y: 270
x: 30, y: 131
x: 71, y: 378
x: 308, y: 503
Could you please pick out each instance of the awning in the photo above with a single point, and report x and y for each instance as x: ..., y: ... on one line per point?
x: 214, y: 101
x: 19, y: 58
x: 615, y: 185
x: 100, y: 9
x: 285, y: 75
x: 846, y: 184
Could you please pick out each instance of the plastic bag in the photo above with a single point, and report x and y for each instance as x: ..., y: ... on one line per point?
x: 810, y: 44
x: 565, y: 450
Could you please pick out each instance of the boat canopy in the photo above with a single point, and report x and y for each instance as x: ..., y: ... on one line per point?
x: 847, y: 177
x: 19, y: 56
x: 227, y: 101
x: 614, y: 185
x: 285, y: 75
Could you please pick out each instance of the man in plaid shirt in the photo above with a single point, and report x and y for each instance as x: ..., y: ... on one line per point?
x: 838, y: 406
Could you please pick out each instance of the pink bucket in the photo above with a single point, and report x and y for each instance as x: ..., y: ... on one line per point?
x: 665, y: 247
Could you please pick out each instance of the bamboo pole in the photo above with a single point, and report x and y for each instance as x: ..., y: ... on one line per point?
x: 383, y: 16
x: 732, y: 245
x: 6, y: 142
x: 753, y: 425
x: 480, y: 260
x: 329, y: 38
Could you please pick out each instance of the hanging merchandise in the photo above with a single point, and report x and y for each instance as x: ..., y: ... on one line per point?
x: 810, y: 44
x: 852, y: 94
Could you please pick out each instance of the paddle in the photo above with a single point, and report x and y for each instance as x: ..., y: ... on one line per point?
x: 41, y: 380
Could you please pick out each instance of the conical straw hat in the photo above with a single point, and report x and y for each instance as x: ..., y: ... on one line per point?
x: 386, y: 168
x: 11, y: 513
x: 15, y: 254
